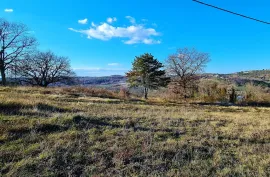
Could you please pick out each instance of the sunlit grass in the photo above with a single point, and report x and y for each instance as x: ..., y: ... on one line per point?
x: 56, y: 132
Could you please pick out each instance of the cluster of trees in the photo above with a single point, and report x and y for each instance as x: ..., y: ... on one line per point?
x: 180, y: 73
x: 19, y: 55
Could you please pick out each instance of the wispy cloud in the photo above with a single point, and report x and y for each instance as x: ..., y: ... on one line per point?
x: 93, y: 24
x: 113, y: 64
x: 144, y: 20
x: 31, y: 32
x: 111, y: 20
x: 154, y: 24
x: 83, y: 22
x: 131, y: 19
x: 8, y: 10
x: 86, y: 69
x: 134, y: 34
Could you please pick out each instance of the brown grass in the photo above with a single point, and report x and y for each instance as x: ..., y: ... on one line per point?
x: 73, y: 132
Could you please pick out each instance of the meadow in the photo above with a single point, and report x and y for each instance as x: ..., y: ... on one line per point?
x: 94, y: 132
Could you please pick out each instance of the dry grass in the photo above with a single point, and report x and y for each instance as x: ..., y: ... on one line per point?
x: 68, y: 132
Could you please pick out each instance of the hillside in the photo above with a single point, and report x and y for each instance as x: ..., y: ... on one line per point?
x: 257, y: 77
x: 115, y: 82
x: 255, y: 74
x: 75, y: 132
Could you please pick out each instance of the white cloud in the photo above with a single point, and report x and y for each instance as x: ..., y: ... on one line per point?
x: 8, y: 10
x: 111, y: 20
x: 83, y: 22
x: 131, y: 19
x: 113, y: 64
x: 93, y: 24
x: 151, y: 41
x: 86, y: 69
x: 134, y: 34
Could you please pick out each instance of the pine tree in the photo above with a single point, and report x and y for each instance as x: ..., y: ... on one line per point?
x: 147, y: 72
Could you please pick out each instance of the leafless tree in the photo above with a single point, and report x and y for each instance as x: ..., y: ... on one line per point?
x: 184, y: 67
x: 44, y: 68
x: 15, y: 42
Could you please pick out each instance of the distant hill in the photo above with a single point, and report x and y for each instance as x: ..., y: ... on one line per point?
x: 114, y: 81
x: 255, y: 74
x: 257, y: 77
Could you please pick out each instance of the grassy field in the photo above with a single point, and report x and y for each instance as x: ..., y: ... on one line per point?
x: 57, y: 132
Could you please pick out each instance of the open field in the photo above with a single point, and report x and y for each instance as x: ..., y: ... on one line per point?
x: 52, y: 132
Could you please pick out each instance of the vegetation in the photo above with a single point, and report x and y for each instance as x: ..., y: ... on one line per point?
x: 146, y: 72
x: 15, y: 43
x: 19, y: 56
x: 70, y: 132
x: 44, y: 68
x: 256, y: 74
x: 79, y: 131
x: 184, y: 67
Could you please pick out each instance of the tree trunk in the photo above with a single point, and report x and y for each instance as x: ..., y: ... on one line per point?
x: 185, y: 91
x: 145, y: 93
x: 43, y: 85
x: 3, y: 74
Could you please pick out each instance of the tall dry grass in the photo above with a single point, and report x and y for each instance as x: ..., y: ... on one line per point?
x: 51, y: 132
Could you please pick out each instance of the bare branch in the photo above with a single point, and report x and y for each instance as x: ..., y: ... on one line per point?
x: 44, y: 68
x: 15, y: 43
x: 183, y: 66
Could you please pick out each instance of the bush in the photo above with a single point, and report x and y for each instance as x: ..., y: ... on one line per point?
x: 180, y: 88
x: 124, y: 93
x: 256, y: 94
x: 213, y: 90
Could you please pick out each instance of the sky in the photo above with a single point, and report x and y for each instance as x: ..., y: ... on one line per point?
x: 102, y: 37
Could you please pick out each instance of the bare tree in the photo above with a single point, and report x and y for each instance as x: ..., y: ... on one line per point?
x: 15, y: 43
x: 183, y: 67
x: 44, y: 68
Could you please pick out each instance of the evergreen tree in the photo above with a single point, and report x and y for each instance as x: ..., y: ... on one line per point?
x: 147, y: 72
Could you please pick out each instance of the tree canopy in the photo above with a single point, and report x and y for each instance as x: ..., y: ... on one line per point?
x: 147, y: 72
x: 15, y: 42
x: 44, y: 68
x: 184, y: 67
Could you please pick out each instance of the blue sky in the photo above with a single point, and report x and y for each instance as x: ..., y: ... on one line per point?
x: 116, y: 31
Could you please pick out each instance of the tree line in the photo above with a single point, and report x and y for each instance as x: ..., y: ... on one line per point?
x: 180, y: 73
x: 19, y: 55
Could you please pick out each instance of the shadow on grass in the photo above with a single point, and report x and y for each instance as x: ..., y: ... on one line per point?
x: 88, y: 123
x: 17, y: 133
x: 20, y: 132
x: 50, y: 108
x: 137, y: 102
x: 19, y: 109
x: 250, y: 104
x: 82, y: 123
x: 245, y: 140
x: 12, y: 108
